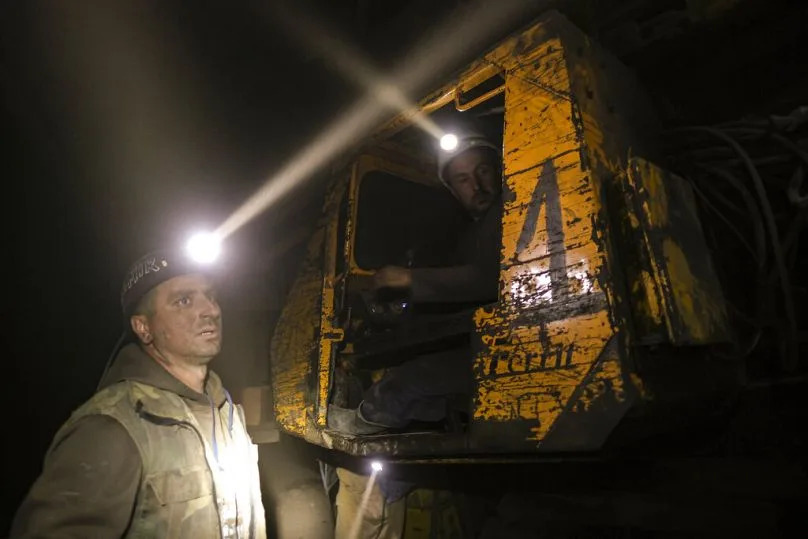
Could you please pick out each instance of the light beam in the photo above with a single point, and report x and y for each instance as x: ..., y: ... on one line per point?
x: 470, y: 29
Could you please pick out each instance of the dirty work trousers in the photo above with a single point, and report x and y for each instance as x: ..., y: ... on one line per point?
x: 420, y: 389
x: 380, y: 519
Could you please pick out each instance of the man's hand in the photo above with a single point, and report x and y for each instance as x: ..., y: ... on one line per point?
x: 392, y: 277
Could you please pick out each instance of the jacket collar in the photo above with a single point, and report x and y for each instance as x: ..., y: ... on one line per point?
x: 133, y: 364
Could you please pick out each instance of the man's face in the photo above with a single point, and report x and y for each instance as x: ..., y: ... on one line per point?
x: 184, y: 320
x: 474, y: 178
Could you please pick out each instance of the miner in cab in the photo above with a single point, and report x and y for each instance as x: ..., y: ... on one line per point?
x: 421, y: 388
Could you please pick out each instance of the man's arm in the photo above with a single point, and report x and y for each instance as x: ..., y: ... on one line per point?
x: 88, y: 485
x: 475, y: 279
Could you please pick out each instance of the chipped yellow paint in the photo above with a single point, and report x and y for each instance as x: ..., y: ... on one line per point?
x: 647, y: 182
x: 542, y: 354
x: 655, y: 201
x: 522, y: 341
x: 639, y: 385
x: 652, y: 308
x: 506, y: 56
x: 687, y: 301
x: 327, y: 330
x: 295, y: 341
x: 531, y: 369
x: 687, y: 304
x: 606, y: 378
x: 521, y: 388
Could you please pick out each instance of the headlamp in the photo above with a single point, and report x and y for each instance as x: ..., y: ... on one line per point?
x: 204, y: 248
x: 448, y: 142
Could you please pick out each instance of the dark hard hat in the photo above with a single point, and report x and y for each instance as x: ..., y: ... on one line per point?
x: 151, y: 270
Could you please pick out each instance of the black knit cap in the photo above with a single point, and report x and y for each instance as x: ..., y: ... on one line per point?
x: 151, y: 270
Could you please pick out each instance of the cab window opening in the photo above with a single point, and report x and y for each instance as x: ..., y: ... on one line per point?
x: 414, y: 224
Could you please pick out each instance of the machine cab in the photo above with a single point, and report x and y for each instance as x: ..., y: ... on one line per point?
x: 549, y: 353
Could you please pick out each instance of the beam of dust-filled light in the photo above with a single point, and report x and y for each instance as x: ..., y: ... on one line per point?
x: 316, y: 37
x: 469, y: 29
x: 363, y: 505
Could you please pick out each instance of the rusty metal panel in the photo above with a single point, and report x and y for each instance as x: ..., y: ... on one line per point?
x: 295, y: 343
x: 300, y: 374
x: 551, y: 371
x: 675, y: 287
x: 330, y: 332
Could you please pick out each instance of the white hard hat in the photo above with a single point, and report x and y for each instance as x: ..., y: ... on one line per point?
x: 465, y: 141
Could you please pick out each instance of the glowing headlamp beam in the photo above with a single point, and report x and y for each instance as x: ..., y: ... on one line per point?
x: 448, y: 142
x: 204, y: 248
x: 470, y: 29
x: 350, y: 62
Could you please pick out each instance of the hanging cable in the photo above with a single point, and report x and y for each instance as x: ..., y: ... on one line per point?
x: 790, y: 361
